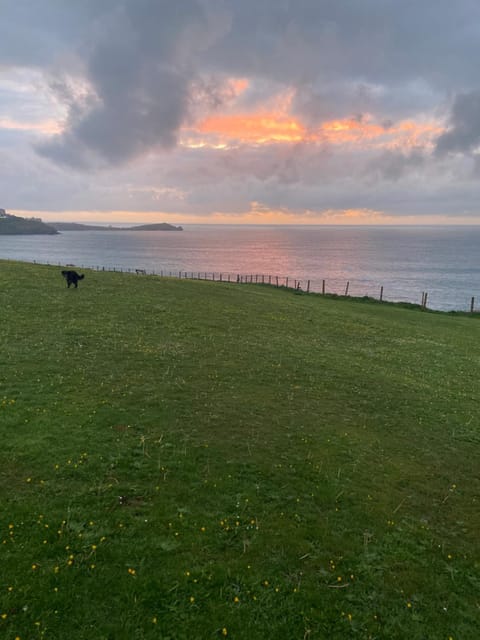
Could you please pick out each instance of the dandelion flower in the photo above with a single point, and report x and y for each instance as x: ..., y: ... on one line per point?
x: 224, y: 631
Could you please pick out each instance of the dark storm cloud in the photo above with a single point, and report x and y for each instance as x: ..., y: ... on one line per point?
x: 139, y: 64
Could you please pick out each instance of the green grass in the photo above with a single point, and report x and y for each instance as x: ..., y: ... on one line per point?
x: 190, y: 459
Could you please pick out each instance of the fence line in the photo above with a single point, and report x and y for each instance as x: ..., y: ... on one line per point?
x: 304, y: 286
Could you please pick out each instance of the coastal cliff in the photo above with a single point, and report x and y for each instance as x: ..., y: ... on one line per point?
x: 15, y: 225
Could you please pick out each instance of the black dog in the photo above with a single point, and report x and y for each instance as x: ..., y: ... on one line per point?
x: 72, y: 277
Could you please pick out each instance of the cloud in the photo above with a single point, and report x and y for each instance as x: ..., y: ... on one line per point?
x: 463, y: 135
x: 394, y: 164
x: 196, y: 106
x: 139, y: 66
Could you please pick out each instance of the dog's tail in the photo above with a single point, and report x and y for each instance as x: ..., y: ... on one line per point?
x: 81, y: 277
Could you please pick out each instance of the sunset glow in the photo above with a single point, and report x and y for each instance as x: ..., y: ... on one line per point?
x: 222, y: 131
x: 254, y: 128
x: 318, y: 112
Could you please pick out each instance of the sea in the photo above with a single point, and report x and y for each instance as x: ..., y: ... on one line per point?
x: 401, y: 264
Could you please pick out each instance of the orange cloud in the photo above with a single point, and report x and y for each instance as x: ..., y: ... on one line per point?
x: 221, y: 131
x: 350, y: 130
x: 239, y: 85
x: 259, y: 128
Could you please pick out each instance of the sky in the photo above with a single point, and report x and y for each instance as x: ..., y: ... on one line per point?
x: 251, y: 111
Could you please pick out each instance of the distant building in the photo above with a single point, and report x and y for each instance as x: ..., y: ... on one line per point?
x: 3, y: 213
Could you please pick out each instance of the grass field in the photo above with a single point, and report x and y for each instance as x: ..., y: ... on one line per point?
x: 192, y: 460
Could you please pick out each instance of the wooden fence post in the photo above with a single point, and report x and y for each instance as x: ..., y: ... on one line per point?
x: 346, y: 288
x: 472, y: 305
x: 323, y: 287
x: 308, y: 286
x: 286, y: 282
x: 381, y: 293
x: 277, y: 280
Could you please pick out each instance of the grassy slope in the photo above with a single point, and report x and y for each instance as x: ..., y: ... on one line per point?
x: 289, y: 466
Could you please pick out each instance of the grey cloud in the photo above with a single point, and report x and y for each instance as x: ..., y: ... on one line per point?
x: 36, y: 34
x: 378, y: 41
x: 140, y: 64
x: 393, y: 165
x: 464, y: 132
x: 304, y: 178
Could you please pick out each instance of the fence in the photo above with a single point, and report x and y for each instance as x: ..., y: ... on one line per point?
x: 306, y: 285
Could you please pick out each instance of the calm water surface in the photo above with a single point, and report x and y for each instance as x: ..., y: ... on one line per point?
x: 444, y: 261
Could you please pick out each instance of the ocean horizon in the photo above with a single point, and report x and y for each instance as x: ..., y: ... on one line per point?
x: 406, y: 261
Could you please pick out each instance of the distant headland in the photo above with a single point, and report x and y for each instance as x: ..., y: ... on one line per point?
x: 15, y: 225
x: 74, y: 226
